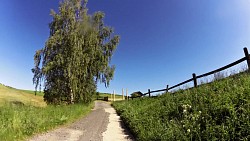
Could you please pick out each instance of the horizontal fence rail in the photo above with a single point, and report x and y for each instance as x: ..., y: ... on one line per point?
x: 194, y: 79
x: 222, y: 68
x: 182, y: 83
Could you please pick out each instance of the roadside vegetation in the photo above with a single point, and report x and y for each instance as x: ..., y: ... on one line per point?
x: 216, y: 111
x: 23, y: 114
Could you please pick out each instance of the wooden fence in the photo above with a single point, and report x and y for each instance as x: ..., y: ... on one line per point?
x: 195, y: 77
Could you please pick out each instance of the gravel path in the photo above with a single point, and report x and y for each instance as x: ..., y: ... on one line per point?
x: 102, y: 124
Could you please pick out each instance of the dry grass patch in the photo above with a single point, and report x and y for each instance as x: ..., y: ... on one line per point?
x: 10, y: 95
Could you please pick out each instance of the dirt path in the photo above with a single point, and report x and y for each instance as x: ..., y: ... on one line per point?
x: 102, y: 124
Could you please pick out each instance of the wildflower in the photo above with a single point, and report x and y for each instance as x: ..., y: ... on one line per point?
x: 193, y: 118
x: 184, y: 111
x: 187, y: 106
x: 200, y: 112
x: 188, y: 130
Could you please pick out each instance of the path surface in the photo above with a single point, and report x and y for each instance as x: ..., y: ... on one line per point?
x: 102, y: 124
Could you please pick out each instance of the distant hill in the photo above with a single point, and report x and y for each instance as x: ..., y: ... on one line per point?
x: 15, y: 96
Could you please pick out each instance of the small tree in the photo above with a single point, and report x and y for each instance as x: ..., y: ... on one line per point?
x: 76, y: 56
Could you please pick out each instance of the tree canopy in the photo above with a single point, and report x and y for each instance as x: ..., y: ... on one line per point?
x: 76, y: 55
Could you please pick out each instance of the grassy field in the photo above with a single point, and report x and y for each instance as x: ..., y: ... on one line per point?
x: 11, y: 95
x: 215, y: 111
x: 23, y: 114
x: 32, y: 92
x: 110, y: 96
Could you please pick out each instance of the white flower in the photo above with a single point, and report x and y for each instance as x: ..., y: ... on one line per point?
x: 200, y: 112
x: 188, y: 130
x: 193, y: 118
x: 187, y: 106
x: 184, y: 111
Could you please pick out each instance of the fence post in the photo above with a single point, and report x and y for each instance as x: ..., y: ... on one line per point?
x: 248, y: 57
x: 167, y: 89
x: 122, y: 94
x: 111, y: 96
x: 149, y: 92
x: 195, y: 80
x: 127, y: 94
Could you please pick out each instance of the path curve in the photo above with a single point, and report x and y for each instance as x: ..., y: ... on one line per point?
x: 102, y: 124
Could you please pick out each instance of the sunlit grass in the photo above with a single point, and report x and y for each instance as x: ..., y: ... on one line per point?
x: 215, y: 111
x: 12, y: 95
x: 23, y: 114
x: 19, y: 122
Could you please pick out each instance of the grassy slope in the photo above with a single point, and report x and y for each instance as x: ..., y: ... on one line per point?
x: 215, y: 111
x: 18, y: 121
x: 32, y: 92
x: 8, y: 95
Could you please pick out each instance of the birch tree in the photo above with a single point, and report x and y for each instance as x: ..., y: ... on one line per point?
x: 76, y: 55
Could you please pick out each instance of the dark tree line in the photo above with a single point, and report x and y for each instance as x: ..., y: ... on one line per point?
x: 76, y: 55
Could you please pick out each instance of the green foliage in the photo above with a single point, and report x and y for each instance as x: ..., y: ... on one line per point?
x: 76, y: 56
x: 215, y: 111
x: 136, y: 94
x: 18, y: 122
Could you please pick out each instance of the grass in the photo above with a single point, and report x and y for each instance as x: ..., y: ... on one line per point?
x: 20, y: 122
x: 215, y: 111
x: 110, y: 96
x: 22, y: 114
x: 9, y: 95
x: 32, y: 92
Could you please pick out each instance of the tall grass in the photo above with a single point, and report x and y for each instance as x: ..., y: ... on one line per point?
x: 18, y: 122
x: 214, y: 111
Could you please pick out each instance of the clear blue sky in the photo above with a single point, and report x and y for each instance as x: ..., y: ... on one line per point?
x: 162, y: 41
